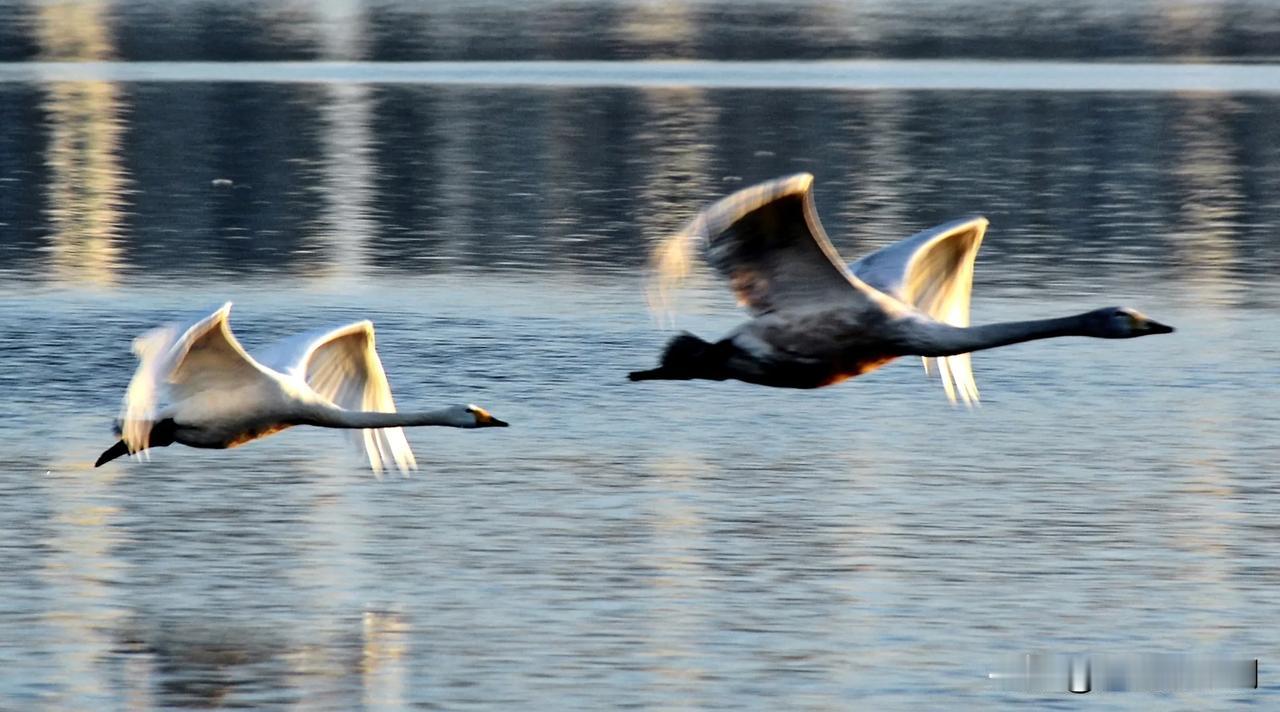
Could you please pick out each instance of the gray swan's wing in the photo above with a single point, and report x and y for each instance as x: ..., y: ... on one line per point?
x: 767, y: 241
x: 933, y: 272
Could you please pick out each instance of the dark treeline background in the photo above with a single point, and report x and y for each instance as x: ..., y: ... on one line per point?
x: 383, y: 30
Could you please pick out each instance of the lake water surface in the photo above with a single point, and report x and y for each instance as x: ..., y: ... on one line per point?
x: 655, y: 545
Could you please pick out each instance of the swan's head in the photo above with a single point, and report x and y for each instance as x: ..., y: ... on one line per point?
x: 473, y: 416
x: 1124, y: 323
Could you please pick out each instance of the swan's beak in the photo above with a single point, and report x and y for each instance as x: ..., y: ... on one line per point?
x: 484, y: 420
x: 1155, y: 327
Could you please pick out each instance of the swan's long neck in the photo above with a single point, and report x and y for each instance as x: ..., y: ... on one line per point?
x: 946, y: 340
x: 330, y: 417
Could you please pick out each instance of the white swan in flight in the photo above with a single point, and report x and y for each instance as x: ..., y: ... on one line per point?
x: 817, y: 322
x: 196, y: 385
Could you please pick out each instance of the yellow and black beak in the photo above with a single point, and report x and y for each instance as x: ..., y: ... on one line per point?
x: 484, y: 420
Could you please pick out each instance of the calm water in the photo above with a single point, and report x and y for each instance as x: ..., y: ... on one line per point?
x: 667, y: 545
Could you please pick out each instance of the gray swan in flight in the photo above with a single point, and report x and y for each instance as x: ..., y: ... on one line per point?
x: 816, y: 322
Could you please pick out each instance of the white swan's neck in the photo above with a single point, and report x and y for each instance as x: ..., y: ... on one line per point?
x: 332, y: 417
x: 939, y: 339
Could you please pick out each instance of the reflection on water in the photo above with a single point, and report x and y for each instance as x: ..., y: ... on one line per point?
x: 86, y: 181
x: 81, y: 571
x: 347, y: 180
x: 672, y: 132
x: 1208, y: 180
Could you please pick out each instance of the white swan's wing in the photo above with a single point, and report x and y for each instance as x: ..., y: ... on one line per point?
x: 933, y: 271
x: 146, y: 388
x: 200, y: 367
x: 767, y: 241
x: 342, y: 365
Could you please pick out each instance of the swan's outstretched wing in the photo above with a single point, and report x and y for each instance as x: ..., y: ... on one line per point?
x: 197, y: 366
x: 342, y: 365
x: 933, y: 271
x: 767, y: 241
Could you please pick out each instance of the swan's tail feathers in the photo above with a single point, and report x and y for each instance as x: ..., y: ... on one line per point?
x: 111, y: 453
x: 688, y: 357
x: 957, y: 378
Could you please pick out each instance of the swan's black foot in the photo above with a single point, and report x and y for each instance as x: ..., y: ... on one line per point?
x: 111, y: 453
x: 656, y: 374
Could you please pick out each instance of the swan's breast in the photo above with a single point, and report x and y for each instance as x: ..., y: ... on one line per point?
x: 814, y: 349
x: 856, y: 369
x: 256, y: 433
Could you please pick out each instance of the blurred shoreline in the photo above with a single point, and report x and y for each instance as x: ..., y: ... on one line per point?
x: 822, y: 74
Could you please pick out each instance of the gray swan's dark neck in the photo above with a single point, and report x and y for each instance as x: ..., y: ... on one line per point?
x: 939, y: 339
